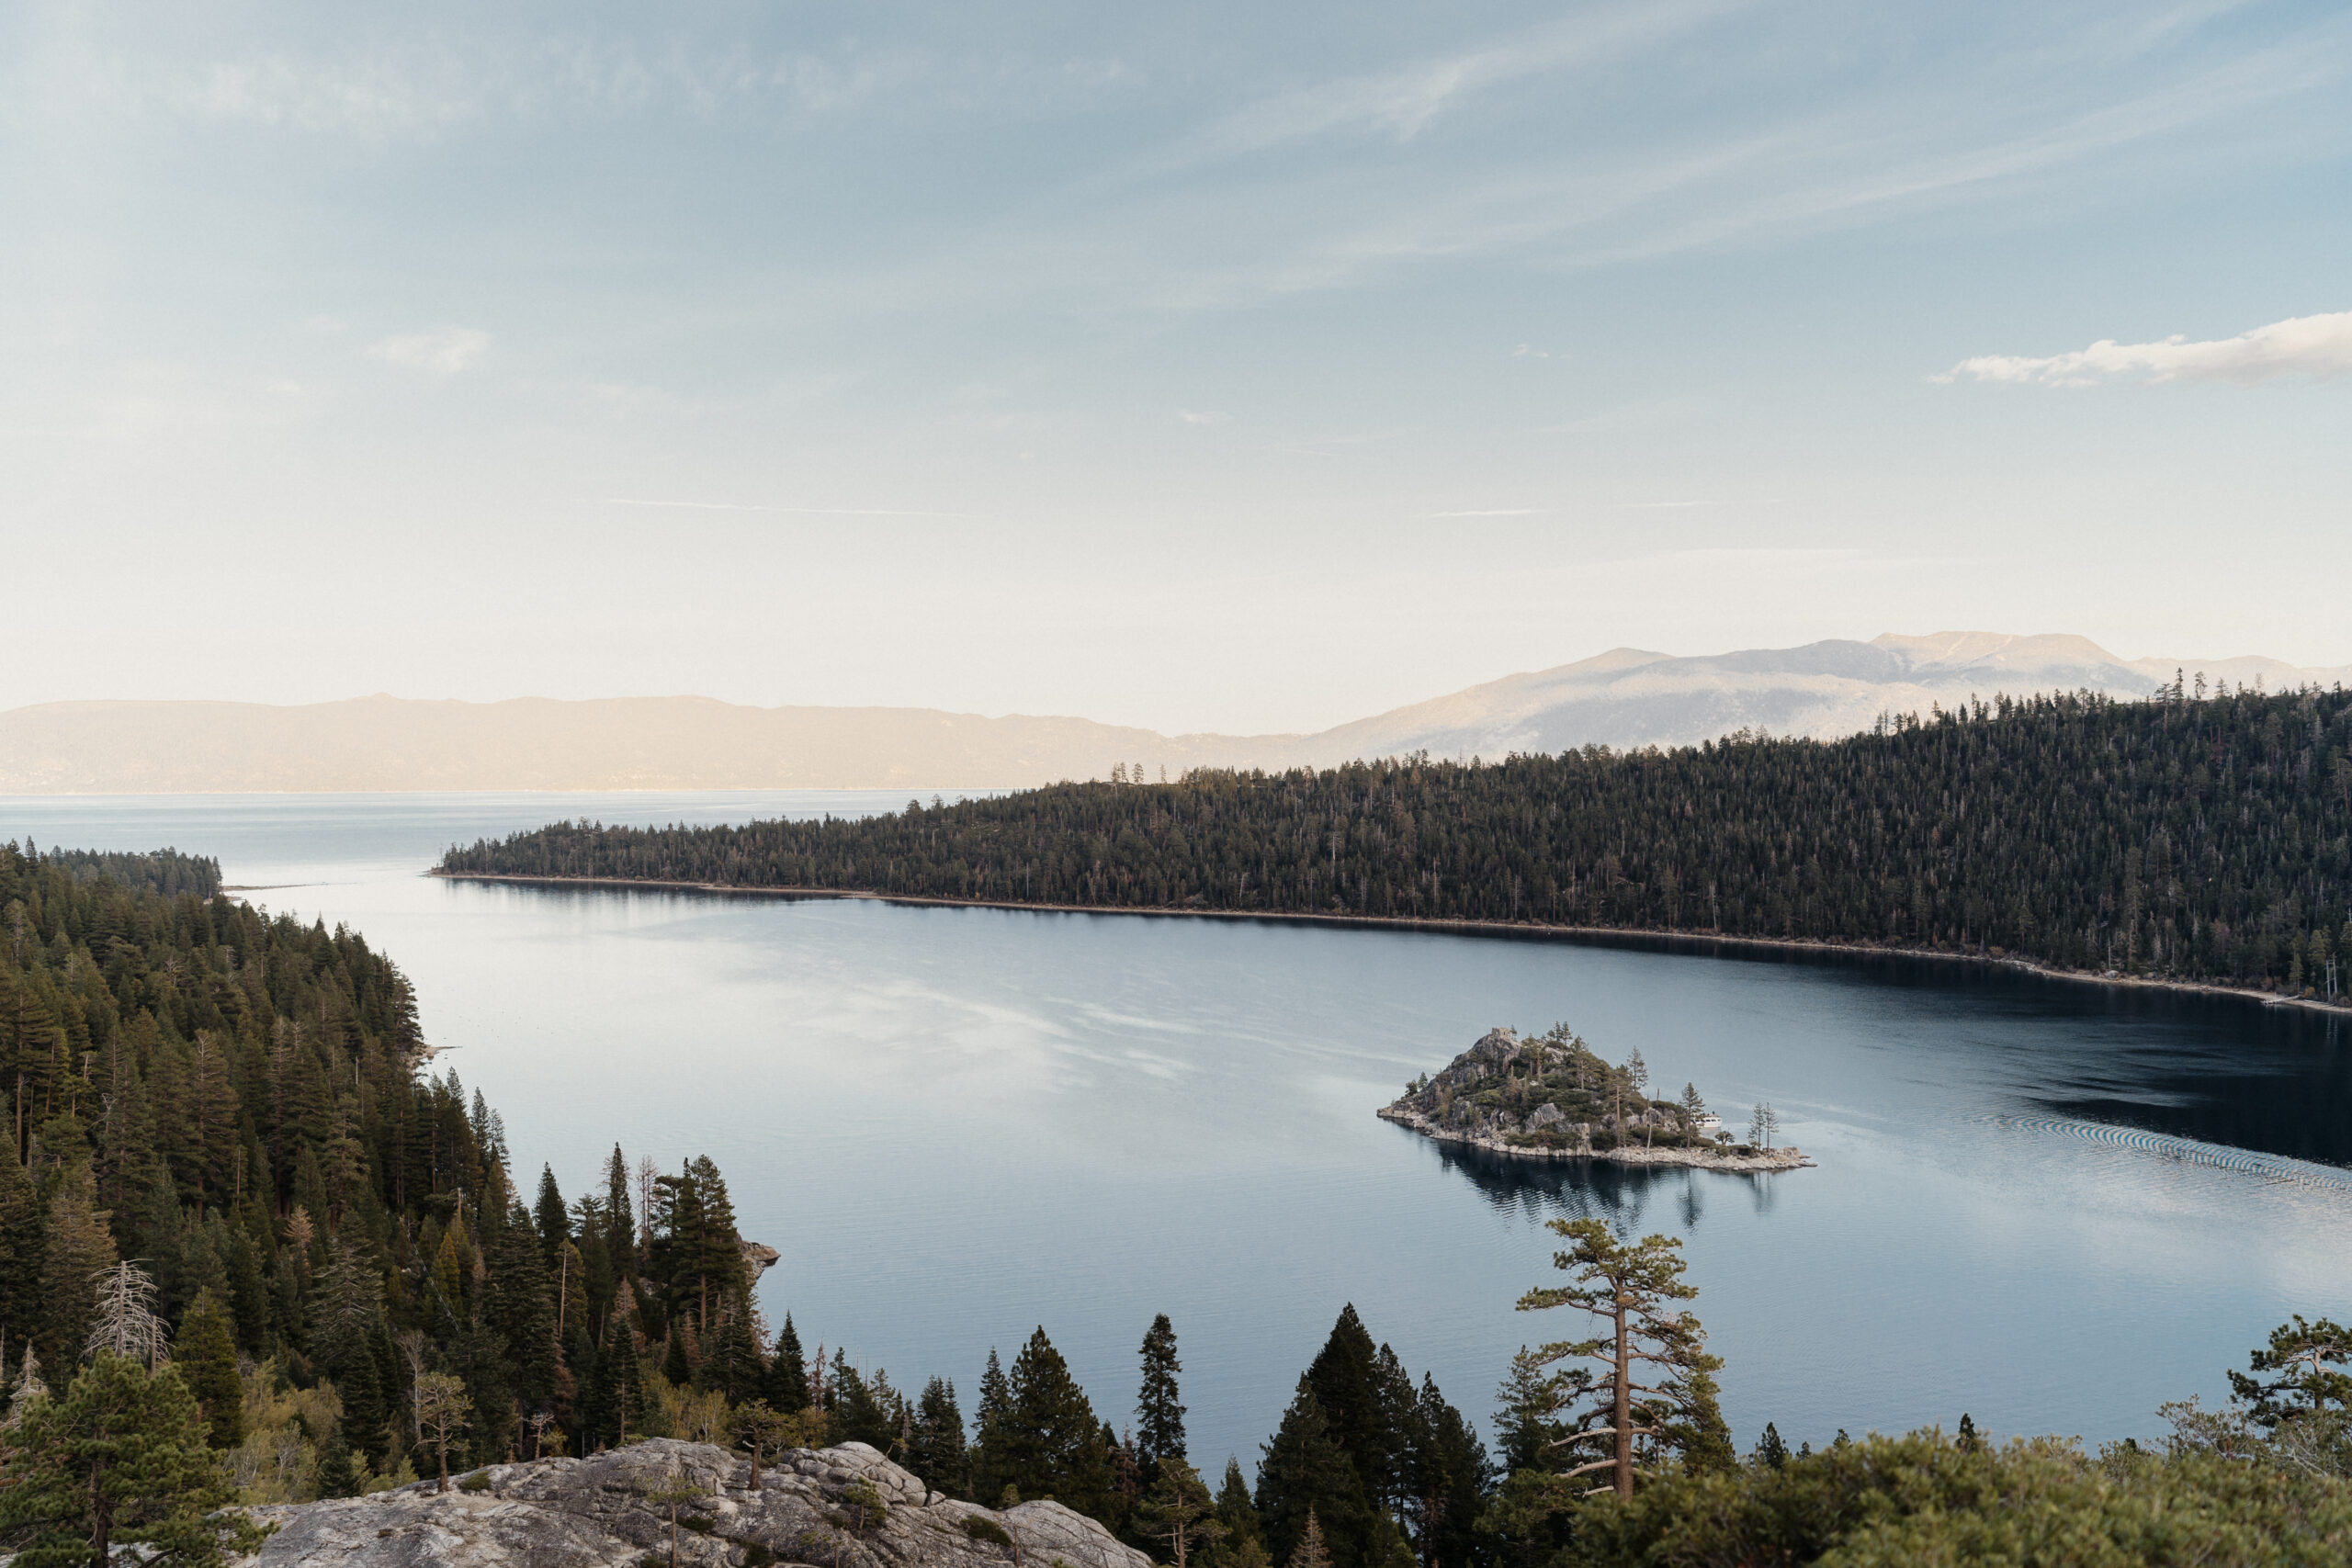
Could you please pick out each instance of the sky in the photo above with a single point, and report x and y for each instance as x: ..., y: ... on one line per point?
x: 1215, y: 366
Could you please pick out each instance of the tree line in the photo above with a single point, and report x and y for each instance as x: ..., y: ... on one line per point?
x: 2198, y: 835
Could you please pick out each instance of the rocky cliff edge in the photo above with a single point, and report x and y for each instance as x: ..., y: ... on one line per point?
x: 595, y: 1513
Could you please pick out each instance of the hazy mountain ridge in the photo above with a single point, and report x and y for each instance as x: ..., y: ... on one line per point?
x: 1623, y: 697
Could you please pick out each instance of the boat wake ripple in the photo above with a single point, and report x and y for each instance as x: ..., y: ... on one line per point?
x: 2246, y: 1162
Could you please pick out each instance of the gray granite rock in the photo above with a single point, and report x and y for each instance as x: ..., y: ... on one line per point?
x: 594, y: 1513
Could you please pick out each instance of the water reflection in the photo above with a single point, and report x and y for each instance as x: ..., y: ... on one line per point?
x: 1624, y: 1196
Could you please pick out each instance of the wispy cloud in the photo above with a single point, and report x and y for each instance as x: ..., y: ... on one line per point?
x: 1492, y: 512
x: 1400, y: 103
x: 787, y: 510
x: 444, y: 352
x: 1207, y: 416
x: 2300, y: 345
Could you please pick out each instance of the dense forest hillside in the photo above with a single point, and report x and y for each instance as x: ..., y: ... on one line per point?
x: 2189, y: 835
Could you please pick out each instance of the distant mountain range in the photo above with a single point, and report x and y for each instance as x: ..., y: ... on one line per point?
x: 1625, y: 698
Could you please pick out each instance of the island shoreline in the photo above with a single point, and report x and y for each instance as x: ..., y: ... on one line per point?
x: 1667, y: 941
x: 1762, y: 1163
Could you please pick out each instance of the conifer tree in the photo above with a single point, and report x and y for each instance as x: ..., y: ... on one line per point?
x: 206, y: 1357
x: 938, y: 1454
x: 1306, y: 1471
x: 732, y: 1365
x: 552, y: 1217
x: 518, y: 1307
x: 1310, y: 1553
x: 1345, y: 1375
x: 1632, y: 1289
x: 620, y: 1220
x: 1160, y: 1413
x: 118, y: 1460
x: 21, y: 1250
x: 1178, y: 1510
x: 1040, y: 1436
x: 1237, y: 1513
x: 789, y: 1373
x: 77, y: 1249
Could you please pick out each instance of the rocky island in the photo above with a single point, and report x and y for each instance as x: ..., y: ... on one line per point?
x: 1550, y: 1097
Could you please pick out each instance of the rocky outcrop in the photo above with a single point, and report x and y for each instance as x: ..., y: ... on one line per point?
x: 597, y: 1513
x: 1511, y: 1096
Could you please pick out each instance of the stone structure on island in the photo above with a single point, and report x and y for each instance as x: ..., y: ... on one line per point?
x: 1549, y: 1097
x: 601, y: 1512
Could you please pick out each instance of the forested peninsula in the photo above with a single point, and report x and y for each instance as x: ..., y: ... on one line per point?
x: 2194, y: 836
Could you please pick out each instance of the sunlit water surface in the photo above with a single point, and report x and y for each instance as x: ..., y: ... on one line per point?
x: 958, y: 1124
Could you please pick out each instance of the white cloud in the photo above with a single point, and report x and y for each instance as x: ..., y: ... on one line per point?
x: 2300, y: 345
x: 1210, y: 416
x: 444, y: 352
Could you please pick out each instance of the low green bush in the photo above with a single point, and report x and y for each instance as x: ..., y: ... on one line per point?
x: 988, y: 1530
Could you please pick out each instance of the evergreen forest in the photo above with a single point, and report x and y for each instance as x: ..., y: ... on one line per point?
x: 2203, y: 836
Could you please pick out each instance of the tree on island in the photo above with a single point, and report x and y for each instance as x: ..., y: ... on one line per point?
x: 1649, y: 1354
x: 1637, y: 1078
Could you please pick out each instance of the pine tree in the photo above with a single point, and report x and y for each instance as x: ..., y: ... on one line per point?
x: 1632, y: 1289
x: 789, y: 1373
x: 554, y: 1220
x: 1046, y: 1440
x: 988, y: 1420
x: 78, y: 1248
x: 620, y: 1220
x: 120, y: 1461
x: 1160, y: 1416
x: 1306, y: 1471
x: 938, y: 1456
x: 1772, y: 1453
x: 1178, y: 1510
x: 206, y: 1357
x: 518, y: 1307
x: 346, y: 1301
x: 1310, y: 1553
x: 21, y: 1250
x: 732, y: 1365
x: 1347, y: 1385
x: 1236, y: 1511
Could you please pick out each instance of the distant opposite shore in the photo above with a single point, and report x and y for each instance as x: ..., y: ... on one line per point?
x: 1519, y: 930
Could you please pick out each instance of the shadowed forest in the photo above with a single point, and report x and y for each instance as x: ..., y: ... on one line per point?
x: 2192, y: 836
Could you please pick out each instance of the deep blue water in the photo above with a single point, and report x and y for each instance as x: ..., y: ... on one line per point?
x: 958, y: 1124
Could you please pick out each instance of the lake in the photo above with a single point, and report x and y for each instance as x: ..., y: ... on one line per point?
x: 2051, y: 1205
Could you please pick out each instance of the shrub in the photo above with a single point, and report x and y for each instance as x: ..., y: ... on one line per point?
x: 988, y: 1530
x: 478, y: 1481
x: 1894, y: 1502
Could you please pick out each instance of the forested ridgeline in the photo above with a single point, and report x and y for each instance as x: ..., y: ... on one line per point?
x: 2202, y: 837
x: 164, y: 871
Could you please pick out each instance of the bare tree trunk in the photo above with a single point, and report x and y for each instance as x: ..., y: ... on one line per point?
x: 1624, y: 1405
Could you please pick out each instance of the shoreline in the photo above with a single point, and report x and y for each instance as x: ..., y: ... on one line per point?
x: 1521, y: 930
x: 1789, y: 1157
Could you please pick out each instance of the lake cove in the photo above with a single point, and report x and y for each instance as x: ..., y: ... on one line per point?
x: 955, y: 1124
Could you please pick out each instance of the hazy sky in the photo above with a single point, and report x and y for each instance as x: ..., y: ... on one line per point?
x: 1205, y: 365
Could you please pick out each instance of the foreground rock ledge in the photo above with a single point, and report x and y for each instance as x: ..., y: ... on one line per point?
x: 572, y: 1513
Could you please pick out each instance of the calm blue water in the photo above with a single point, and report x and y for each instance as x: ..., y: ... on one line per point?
x: 956, y: 1125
